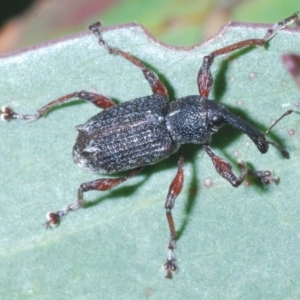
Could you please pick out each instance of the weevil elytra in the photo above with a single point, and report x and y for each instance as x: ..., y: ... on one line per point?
x: 143, y: 131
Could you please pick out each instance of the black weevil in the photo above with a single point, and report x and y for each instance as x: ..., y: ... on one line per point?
x: 146, y: 130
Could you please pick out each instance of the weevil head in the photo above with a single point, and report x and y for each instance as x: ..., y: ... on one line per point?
x: 218, y: 116
x: 194, y: 119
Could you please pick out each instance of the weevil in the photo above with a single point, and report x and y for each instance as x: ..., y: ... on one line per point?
x: 146, y: 130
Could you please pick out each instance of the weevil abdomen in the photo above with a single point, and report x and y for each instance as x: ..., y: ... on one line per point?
x: 125, y: 136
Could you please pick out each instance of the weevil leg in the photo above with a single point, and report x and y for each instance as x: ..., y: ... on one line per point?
x: 174, y: 190
x: 225, y: 170
x: 103, y: 184
x: 100, y: 101
x: 156, y: 85
x: 205, y: 79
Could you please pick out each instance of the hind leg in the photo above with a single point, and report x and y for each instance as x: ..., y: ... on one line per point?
x: 103, y: 184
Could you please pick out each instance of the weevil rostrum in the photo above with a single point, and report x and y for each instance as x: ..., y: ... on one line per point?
x: 149, y: 129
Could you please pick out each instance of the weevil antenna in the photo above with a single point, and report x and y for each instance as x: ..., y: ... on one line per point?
x: 283, y: 152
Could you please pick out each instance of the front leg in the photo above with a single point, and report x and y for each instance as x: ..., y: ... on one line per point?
x: 205, y: 79
x: 225, y: 170
x: 158, y: 88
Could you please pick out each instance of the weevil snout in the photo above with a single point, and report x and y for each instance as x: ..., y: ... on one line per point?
x: 262, y: 144
x: 256, y: 136
x: 218, y: 115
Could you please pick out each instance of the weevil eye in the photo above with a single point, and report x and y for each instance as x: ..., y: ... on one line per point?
x: 216, y: 121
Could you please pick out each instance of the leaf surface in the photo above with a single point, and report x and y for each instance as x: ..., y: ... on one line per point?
x: 232, y: 243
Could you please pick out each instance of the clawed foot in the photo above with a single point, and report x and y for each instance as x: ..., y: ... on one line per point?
x: 170, y: 265
x: 55, y: 218
x: 96, y: 29
x: 8, y: 114
x: 266, y: 176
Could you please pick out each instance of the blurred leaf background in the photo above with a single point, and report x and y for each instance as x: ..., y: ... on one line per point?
x: 175, y: 22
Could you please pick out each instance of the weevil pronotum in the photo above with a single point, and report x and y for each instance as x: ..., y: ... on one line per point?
x: 146, y: 130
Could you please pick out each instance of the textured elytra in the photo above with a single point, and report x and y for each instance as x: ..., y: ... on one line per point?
x: 125, y: 136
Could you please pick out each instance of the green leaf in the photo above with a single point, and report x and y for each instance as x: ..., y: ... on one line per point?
x: 232, y: 243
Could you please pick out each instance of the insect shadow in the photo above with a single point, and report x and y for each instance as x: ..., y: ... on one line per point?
x: 123, y: 191
x: 220, y: 83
